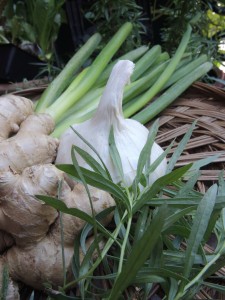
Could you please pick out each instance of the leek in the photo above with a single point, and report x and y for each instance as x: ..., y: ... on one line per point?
x: 58, y: 85
x: 61, y: 104
x: 164, y: 76
x: 171, y: 94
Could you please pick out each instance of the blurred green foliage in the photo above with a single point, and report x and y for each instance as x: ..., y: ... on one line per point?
x: 208, y: 26
x: 32, y: 24
x: 109, y: 15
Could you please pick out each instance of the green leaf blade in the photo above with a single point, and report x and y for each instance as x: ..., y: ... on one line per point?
x: 139, y: 254
x: 199, y: 227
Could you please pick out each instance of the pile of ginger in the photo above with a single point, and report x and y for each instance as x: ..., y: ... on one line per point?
x: 30, y: 230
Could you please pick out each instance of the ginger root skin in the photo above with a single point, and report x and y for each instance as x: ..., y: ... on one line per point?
x: 77, y: 198
x: 40, y: 264
x: 32, y: 144
x: 46, y: 262
x: 13, y: 111
x: 6, y: 241
x: 35, y: 226
x: 22, y: 215
x: 30, y: 230
x: 25, y: 136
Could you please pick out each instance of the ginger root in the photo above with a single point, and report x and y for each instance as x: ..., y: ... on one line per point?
x: 30, y: 230
x: 35, y: 226
x: 6, y: 241
x: 13, y: 111
x: 31, y: 145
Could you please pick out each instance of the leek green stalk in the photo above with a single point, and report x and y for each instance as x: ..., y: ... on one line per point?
x: 61, y: 105
x: 165, y: 76
x: 61, y: 82
x: 171, y: 94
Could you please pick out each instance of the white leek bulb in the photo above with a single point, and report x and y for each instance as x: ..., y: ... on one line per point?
x: 130, y: 135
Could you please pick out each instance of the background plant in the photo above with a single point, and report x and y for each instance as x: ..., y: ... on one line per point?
x: 208, y: 26
x: 33, y: 26
x: 107, y: 16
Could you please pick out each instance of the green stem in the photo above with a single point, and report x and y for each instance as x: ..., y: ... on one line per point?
x: 137, y: 87
x: 89, y: 100
x: 186, y: 69
x: 62, y: 234
x: 160, y: 59
x: 164, y: 76
x: 145, y: 62
x: 77, y: 80
x: 74, y: 119
x: 170, y: 94
x: 131, y: 55
x: 123, y: 248
x: 61, y: 105
x: 60, y: 83
x: 197, y: 278
x: 98, y: 261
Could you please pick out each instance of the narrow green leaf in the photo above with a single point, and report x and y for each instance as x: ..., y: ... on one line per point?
x: 221, y: 187
x: 216, y: 287
x: 139, y: 254
x: 114, y: 154
x: 62, y: 233
x: 93, y: 149
x: 184, y: 202
x: 176, y: 216
x: 86, y: 231
x: 212, y: 223
x: 158, y: 186
x: 189, y: 186
x: 173, y: 289
x: 148, y: 278
x: 201, y: 163
x: 119, y: 222
x: 87, y: 262
x: 215, y: 267
x: 221, y: 192
x: 61, y: 206
x: 199, y: 227
x: 93, y: 214
x: 175, y: 258
x: 162, y: 272
x: 95, y: 179
x: 180, y: 231
x: 76, y: 257
x: 180, y: 148
x: 91, y: 161
x: 140, y: 225
x: 4, y: 284
x: 59, y: 296
x: 156, y: 260
x: 146, y: 151
x: 159, y: 159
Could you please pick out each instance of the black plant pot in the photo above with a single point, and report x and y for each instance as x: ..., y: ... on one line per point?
x: 17, y: 65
